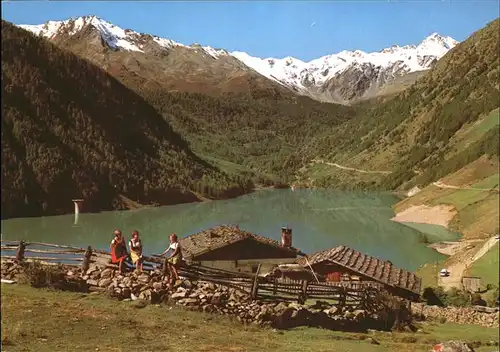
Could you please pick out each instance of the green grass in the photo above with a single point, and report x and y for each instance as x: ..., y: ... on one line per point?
x: 429, y: 273
x: 461, y: 198
x: 488, y: 183
x: 41, y: 320
x: 486, y: 267
x: 478, y: 219
x: 472, y: 132
x: 486, y: 124
x: 225, y: 165
x: 325, y: 175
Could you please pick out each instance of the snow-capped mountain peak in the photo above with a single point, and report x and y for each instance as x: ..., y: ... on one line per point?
x: 114, y: 36
x: 376, y: 68
x: 382, y: 66
x: 446, y: 42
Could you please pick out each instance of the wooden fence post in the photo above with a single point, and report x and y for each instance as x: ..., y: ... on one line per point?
x: 303, y: 294
x: 20, y: 251
x: 342, y: 298
x: 255, y: 285
x: 86, y: 260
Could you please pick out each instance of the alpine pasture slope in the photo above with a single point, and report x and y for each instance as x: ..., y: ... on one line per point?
x: 443, y: 122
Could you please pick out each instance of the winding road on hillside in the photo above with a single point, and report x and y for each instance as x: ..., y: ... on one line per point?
x: 457, y: 270
x: 321, y: 161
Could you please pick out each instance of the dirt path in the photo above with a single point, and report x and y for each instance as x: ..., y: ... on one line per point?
x: 455, y: 277
x: 485, y: 248
x: 457, y: 270
x: 444, y: 185
x: 350, y: 168
x: 450, y: 248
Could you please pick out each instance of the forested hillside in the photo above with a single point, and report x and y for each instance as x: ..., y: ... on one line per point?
x: 263, y: 133
x: 71, y: 130
x: 232, y: 116
x: 423, y: 133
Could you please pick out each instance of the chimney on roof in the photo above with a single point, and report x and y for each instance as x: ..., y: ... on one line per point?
x: 286, y: 237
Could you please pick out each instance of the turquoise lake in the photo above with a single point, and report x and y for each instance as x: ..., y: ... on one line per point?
x: 320, y: 219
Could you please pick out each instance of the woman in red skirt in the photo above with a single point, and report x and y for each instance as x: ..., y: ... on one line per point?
x: 118, y: 250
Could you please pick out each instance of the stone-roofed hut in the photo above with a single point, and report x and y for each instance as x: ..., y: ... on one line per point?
x: 343, y: 261
x: 230, y: 248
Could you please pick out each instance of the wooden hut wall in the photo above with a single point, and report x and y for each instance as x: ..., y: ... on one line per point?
x: 247, y: 265
x: 245, y: 249
x: 325, y: 268
x: 399, y: 292
x: 295, y: 275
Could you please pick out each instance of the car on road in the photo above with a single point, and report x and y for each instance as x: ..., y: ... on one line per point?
x: 444, y: 273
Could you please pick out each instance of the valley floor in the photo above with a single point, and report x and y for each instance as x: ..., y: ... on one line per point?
x: 95, y: 323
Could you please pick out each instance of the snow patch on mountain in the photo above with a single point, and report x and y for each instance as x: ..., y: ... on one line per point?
x: 215, y: 53
x: 114, y: 36
x: 166, y: 43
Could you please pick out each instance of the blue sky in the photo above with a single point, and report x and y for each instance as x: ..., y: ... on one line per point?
x: 304, y: 30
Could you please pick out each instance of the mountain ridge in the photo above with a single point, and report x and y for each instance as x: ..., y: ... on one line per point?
x: 344, y: 77
x: 70, y: 129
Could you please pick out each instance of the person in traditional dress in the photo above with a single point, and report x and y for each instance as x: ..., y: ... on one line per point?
x: 135, y: 246
x: 173, y: 262
x: 118, y: 250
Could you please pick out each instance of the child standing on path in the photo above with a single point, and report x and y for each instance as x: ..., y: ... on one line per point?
x: 173, y: 262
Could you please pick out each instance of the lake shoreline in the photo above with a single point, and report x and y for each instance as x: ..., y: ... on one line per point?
x: 439, y: 215
x: 422, y: 214
x: 128, y: 204
x: 320, y: 219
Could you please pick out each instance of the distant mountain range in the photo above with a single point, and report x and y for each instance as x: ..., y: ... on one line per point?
x: 345, y: 77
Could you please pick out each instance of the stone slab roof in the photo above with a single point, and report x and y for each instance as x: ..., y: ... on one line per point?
x: 366, y: 265
x: 221, y: 236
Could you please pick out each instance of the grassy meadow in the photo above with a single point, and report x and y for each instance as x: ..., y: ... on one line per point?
x: 42, y: 320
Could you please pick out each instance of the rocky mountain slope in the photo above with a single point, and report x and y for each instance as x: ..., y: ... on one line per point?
x: 69, y: 130
x: 345, y: 77
x: 152, y: 62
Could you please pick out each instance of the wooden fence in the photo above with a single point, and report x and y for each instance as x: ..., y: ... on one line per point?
x: 355, y: 294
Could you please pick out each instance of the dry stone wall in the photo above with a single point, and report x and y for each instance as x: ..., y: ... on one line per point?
x: 457, y: 315
x: 212, y: 298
